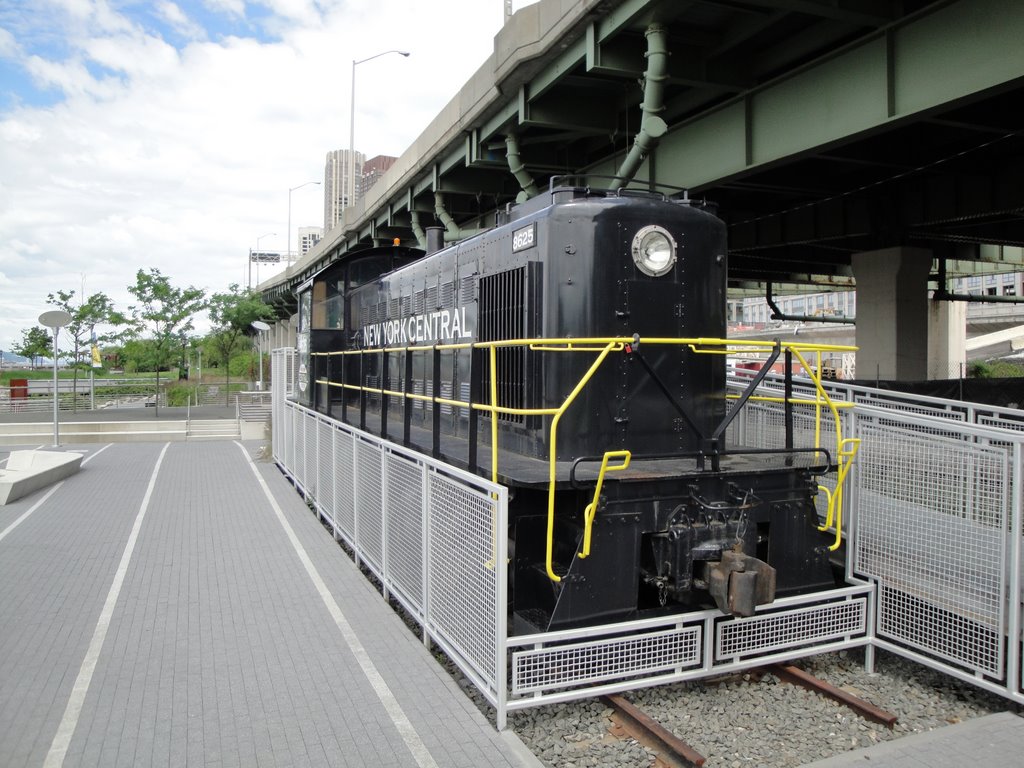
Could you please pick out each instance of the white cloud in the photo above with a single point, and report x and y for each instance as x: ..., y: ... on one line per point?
x: 179, y: 21
x: 229, y: 7
x: 179, y: 159
x: 9, y: 48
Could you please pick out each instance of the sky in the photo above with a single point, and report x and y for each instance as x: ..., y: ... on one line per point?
x: 159, y: 134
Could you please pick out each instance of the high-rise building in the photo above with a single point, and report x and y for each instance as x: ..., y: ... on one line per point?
x: 336, y: 181
x: 309, y: 237
x: 373, y: 169
x: 336, y: 174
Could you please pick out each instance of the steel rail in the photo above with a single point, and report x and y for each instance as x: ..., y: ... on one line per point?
x: 642, y: 727
x: 797, y: 676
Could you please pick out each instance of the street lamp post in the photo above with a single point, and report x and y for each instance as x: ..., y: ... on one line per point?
x: 266, y: 234
x: 55, y: 318
x: 288, y: 258
x: 260, y: 327
x: 352, y: 125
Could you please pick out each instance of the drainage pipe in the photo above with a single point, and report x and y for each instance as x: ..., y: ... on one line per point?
x: 515, y: 164
x: 652, y: 127
x: 777, y: 314
x: 452, y: 231
x: 417, y: 229
x: 942, y: 294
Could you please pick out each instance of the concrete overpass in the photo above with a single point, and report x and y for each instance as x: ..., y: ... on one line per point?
x: 867, y: 143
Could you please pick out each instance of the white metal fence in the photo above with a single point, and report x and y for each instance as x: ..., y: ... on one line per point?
x: 933, y: 553
x: 436, y: 538
x: 936, y: 503
x: 937, y: 530
x: 428, y: 531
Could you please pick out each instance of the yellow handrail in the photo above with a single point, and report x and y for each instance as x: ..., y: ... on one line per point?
x: 847, y: 452
x: 613, y: 345
x: 591, y: 510
x: 603, y: 346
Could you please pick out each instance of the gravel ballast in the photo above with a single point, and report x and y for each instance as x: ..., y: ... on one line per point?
x: 742, y: 721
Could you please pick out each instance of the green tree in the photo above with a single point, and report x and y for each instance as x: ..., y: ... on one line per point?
x: 166, y: 311
x: 35, y: 343
x: 97, y: 310
x: 232, y: 315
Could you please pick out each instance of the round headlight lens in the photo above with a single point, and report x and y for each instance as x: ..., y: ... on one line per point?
x: 654, y: 251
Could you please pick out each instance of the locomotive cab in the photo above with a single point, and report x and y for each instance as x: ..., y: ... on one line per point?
x: 325, y: 318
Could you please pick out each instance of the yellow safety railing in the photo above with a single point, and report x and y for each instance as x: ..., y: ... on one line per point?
x: 602, y: 348
x: 847, y: 452
x: 591, y: 510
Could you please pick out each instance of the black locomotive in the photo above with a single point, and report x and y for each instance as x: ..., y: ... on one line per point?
x: 583, y: 333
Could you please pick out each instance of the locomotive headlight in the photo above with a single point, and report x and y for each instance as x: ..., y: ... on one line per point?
x: 654, y: 250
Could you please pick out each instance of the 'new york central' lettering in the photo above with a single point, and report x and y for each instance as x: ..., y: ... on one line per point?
x: 442, y: 325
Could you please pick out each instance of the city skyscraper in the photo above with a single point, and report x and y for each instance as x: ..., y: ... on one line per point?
x: 309, y: 237
x: 336, y: 181
x: 373, y: 169
x: 336, y: 170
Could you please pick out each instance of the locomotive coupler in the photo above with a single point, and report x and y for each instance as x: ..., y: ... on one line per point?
x: 740, y: 582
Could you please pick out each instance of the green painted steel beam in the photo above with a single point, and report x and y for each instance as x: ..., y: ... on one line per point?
x: 903, y: 71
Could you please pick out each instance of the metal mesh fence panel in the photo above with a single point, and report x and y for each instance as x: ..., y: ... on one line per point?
x: 907, y: 405
x: 947, y: 634
x: 931, y: 529
x: 462, y: 577
x: 807, y: 626
x: 325, y: 469
x: 288, y: 438
x: 279, y: 360
x: 369, y: 508
x: 309, y: 453
x: 345, y: 485
x: 586, y: 663
x: 298, y: 447
x: 404, y: 550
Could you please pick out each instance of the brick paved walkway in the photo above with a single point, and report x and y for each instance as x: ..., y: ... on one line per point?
x: 994, y: 740
x: 155, y: 610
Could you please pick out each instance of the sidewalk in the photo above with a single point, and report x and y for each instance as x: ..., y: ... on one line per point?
x: 177, y: 603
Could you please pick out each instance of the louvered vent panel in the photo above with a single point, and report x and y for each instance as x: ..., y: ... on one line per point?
x: 503, y: 317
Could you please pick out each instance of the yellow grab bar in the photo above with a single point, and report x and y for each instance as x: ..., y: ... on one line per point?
x: 848, y: 448
x: 591, y: 510
x: 552, y: 459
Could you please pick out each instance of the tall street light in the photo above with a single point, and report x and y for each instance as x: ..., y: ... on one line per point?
x: 352, y: 125
x: 266, y: 234
x: 260, y: 328
x: 288, y: 258
x: 55, y: 318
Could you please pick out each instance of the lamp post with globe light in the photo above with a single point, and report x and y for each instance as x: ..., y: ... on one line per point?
x: 261, y: 327
x: 54, y: 319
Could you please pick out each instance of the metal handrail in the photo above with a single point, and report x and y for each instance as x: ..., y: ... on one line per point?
x: 603, y: 346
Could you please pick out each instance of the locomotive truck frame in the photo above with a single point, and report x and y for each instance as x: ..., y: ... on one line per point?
x: 575, y: 353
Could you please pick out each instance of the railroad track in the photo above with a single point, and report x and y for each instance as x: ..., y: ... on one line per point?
x: 674, y: 752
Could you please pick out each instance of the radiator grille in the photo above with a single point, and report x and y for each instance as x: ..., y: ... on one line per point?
x: 503, y: 316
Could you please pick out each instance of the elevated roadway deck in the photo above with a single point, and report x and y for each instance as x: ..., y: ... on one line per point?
x: 822, y: 130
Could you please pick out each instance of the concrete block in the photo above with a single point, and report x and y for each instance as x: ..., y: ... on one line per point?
x: 28, y: 471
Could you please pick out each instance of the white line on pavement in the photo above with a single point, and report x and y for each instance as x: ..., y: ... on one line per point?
x: 62, y: 740
x: 380, y: 687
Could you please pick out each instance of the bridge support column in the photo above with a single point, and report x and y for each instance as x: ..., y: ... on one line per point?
x: 947, y: 339
x: 892, y: 313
